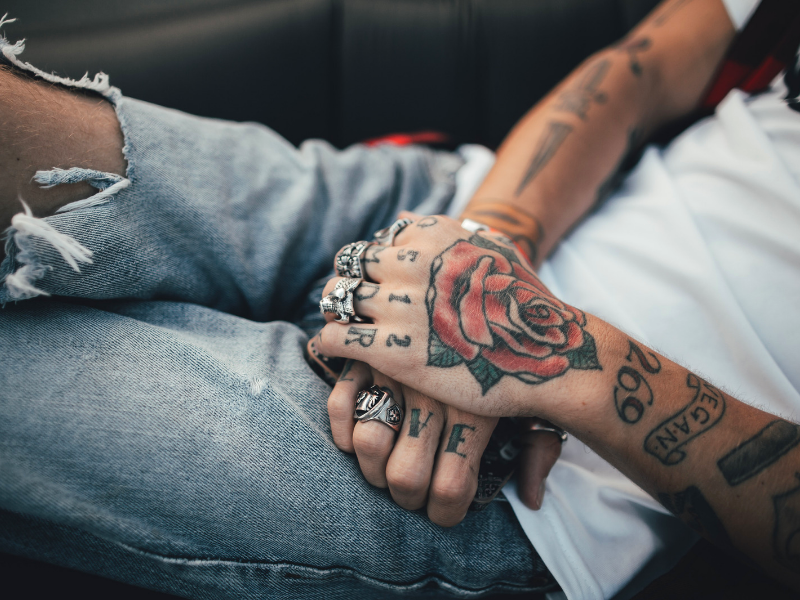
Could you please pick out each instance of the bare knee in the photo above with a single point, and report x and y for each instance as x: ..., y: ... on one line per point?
x: 45, y: 126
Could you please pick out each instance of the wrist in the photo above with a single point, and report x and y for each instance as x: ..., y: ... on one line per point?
x: 521, y: 227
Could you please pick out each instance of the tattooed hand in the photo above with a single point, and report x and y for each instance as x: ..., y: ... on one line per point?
x: 466, y: 321
x: 432, y: 462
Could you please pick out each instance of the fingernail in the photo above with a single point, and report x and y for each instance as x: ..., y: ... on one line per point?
x: 537, y: 501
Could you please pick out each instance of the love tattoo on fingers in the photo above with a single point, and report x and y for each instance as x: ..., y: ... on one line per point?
x: 488, y: 311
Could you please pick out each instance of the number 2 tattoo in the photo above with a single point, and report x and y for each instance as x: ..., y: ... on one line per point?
x: 632, y: 392
x: 393, y: 340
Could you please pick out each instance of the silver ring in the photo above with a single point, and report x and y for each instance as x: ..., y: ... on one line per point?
x: 340, y: 301
x: 376, y: 404
x: 348, y: 261
x: 551, y: 428
x: 385, y: 236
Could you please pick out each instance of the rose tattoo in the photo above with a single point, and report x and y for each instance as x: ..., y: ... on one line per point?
x: 490, y: 312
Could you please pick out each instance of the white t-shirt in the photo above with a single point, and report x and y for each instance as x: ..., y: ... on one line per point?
x: 697, y: 256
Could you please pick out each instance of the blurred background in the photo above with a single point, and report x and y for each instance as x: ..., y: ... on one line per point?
x: 342, y: 70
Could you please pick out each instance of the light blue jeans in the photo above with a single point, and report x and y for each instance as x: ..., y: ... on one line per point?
x: 158, y: 423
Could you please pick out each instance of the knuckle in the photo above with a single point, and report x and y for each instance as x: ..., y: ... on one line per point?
x: 452, y: 493
x: 369, y: 445
x: 339, y: 408
x: 447, y: 519
x: 407, y: 482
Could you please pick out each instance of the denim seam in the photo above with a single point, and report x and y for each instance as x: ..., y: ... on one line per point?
x: 318, y: 573
x: 419, y: 583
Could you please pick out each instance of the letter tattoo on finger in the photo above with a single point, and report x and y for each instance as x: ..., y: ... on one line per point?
x: 371, y: 255
x: 456, y: 438
x: 414, y: 425
x: 346, y: 370
x: 361, y: 335
x: 365, y: 291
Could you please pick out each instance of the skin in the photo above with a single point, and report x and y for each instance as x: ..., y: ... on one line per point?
x: 729, y: 470
x: 591, y: 123
x: 44, y: 126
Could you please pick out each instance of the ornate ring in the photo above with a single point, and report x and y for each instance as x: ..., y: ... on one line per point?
x: 377, y: 404
x: 348, y: 261
x: 547, y: 426
x: 385, y: 236
x: 340, y: 301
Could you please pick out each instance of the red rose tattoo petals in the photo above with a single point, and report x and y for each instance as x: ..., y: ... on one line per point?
x: 488, y: 311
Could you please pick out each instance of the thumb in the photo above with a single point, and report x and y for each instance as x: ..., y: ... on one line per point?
x: 540, y: 452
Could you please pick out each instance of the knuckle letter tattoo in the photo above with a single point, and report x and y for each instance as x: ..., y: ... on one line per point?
x: 456, y: 438
x: 488, y: 311
x: 366, y: 290
x: 371, y: 255
x: 701, y: 414
x: 415, y: 426
x: 363, y: 336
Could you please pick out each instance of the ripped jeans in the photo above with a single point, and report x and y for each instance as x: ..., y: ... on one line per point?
x: 158, y: 423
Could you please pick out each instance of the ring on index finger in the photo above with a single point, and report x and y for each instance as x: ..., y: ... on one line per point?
x: 547, y: 426
x: 385, y: 236
x: 349, y: 261
x: 340, y: 301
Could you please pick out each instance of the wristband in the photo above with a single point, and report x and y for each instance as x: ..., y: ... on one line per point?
x: 475, y: 227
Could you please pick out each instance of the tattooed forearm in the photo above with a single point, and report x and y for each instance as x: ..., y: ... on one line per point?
x: 633, y: 48
x: 579, y: 98
x: 705, y: 410
x: 412, y: 255
x: 393, y: 340
x: 524, y: 229
x: 628, y: 159
x: 415, y: 426
x: 360, y: 335
x: 632, y: 392
x: 669, y: 11
x: 751, y: 457
x: 404, y: 298
x: 366, y: 290
x: 692, y: 507
x: 786, y: 534
x: 456, y: 438
x: 549, y: 144
x: 427, y: 222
